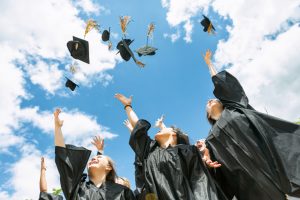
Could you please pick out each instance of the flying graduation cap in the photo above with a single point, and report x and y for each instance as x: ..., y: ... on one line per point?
x: 147, y: 50
x: 126, y: 53
x: 206, y: 23
x: 79, y: 49
x: 123, y: 45
x: 106, y: 37
x: 70, y: 84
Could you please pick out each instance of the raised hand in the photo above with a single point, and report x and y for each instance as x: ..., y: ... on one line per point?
x: 43, y: 165
x: 124, y: 100
x: 200, y: 144
x: 57, y: 121
x: 128, y: 125
x: 160, y: 122
x: 98, y: 142
x: 207, y: 57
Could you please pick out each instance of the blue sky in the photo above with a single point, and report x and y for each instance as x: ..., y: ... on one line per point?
x: 175, y: 82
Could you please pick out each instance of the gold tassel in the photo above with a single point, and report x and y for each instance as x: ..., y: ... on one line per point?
x: 150, y: 29
x: 109, y: 45
x: 90, y: 24
x: 124, y: 21
x: 140, y: 64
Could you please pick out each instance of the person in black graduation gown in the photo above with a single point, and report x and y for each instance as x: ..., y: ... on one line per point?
x: 71, y: 162
x: 138, y: 170
x: 260, y: 154
x: 173, y: 169
x: 44, y: 195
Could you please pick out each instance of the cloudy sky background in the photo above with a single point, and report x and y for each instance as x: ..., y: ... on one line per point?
x: 257, y: 41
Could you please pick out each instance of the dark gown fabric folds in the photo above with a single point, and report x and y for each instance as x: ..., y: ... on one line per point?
x: 49, y: 196
x: 71, y: 162
x: 173, y: 173
x: 260, y: 154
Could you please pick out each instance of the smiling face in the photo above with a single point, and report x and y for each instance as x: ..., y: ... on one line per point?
x: 98, y: 163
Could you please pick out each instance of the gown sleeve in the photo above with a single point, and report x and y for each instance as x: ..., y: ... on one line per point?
x: 71, y: 162
x: 200, y: 181
x: 228, y: 90
x: 49, y: 196
x: 139, y: 139
x: 129, y: 194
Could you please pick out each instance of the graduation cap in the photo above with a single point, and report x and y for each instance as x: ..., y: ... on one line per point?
x: 146, y: 51
x: 206, y: 23
x: 70, y: 84
x: 106, y: 35
x: 126, y: 53
x: 79, y: 49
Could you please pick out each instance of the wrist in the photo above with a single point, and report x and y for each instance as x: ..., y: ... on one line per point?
x: 127, y: 106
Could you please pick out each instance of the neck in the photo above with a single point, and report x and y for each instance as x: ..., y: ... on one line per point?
x: 168, y: 142
x: 216, y: 116
x: 98, y: 179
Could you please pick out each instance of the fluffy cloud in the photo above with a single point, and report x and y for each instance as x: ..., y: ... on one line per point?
x: 25, y: 175
x: 260, y: 50
x: 182, y: 12
x: 40, y: 31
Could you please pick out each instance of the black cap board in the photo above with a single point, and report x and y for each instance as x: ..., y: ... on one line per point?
x: 79, y: 49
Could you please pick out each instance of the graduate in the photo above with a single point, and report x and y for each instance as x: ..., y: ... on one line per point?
x: 44, y: 195
x: 139, y: 192
x: 173, y: 169
x: 71, y: 162
x: 259, y: 154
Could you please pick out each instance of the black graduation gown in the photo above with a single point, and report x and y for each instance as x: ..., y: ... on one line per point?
x: 49, y: 196
x: 174, y: 173
x: 260, y: 154
x: 71, y: 162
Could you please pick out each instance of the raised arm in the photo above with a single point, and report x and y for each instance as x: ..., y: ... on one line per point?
x: 207, y: 59
x: 43, y: 182
x: 132, y: 117
x: 128, y: 125
x: 98, y: 142
x: 58, y: 137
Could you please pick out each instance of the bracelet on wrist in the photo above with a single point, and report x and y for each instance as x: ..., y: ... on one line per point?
x: 127, y: 106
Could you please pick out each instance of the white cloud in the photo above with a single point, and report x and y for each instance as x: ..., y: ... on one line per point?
x: 41, y: 29
x: 174, y: 36
x: 25, y: 175
x: 260, y: 50
x: 78, y: 128
x: 48, y: 76
x: 181, y: 12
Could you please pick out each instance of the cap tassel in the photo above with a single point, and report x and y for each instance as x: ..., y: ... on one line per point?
x: 90, y: 25
x: 124, y: 21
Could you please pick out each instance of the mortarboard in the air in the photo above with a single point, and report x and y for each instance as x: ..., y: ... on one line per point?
x: 79, y: 49
x: 146, y: 51
x: 106, y: 35
x: 206, y: 23
x: 126, y: 53
x: 70, y: 84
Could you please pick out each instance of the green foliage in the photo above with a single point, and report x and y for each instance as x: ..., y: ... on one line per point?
x: 56, y: 191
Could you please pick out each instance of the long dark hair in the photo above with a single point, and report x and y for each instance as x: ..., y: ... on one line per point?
x: 210, y: 120
x: 112, y: 175
x: 182, y: 138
